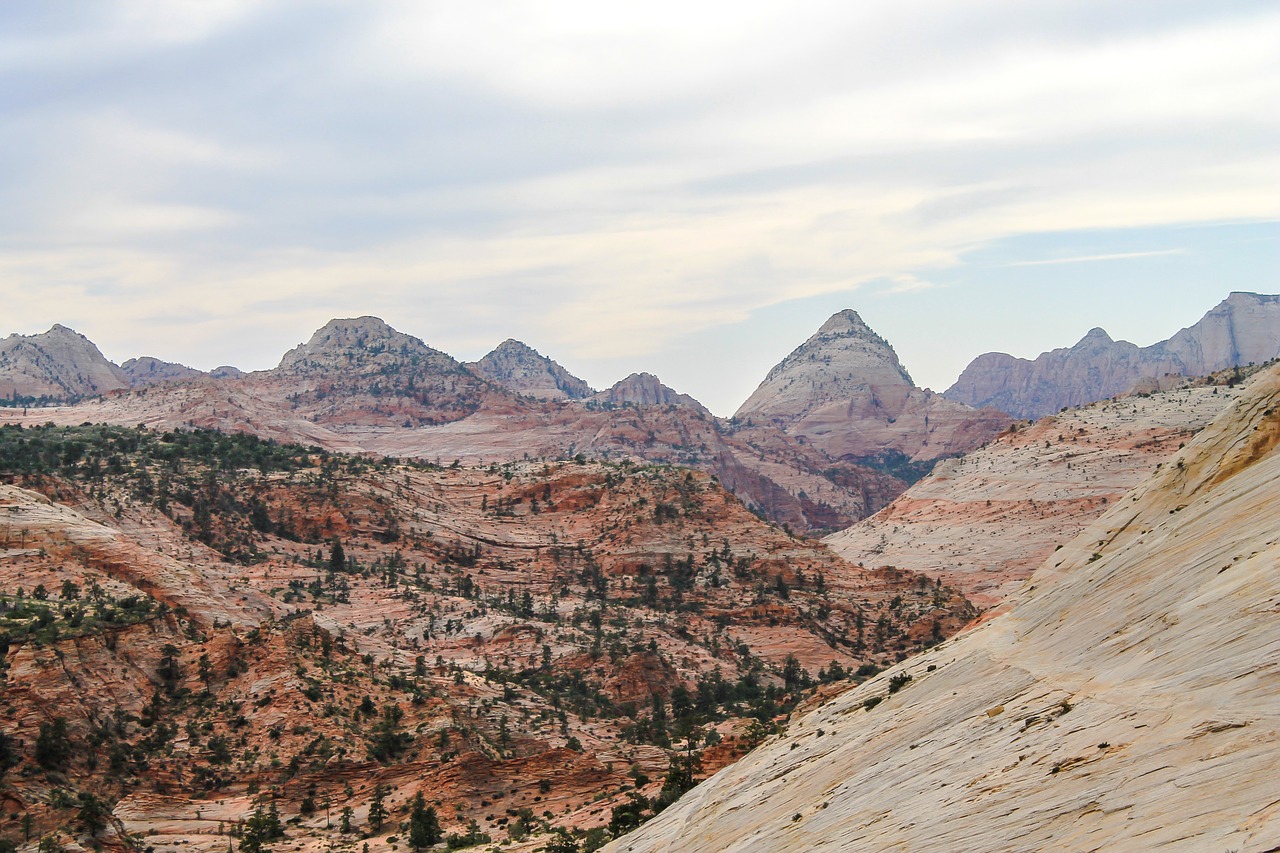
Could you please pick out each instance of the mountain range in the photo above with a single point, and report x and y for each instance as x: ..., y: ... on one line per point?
x: 1243, y: 329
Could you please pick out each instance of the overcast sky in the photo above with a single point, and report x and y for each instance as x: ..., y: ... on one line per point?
x: 688, y: 187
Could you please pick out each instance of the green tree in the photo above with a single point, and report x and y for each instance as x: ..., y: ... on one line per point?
x: 424, y: 827
x: 53, y: 745
x: 93, y: 813
x: 337, y: 557
x: 377, y: 810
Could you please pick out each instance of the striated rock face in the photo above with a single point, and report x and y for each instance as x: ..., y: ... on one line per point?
x: 152, y: 371
x: 520, y: 368
x: 984, y: 522
x: 59, y: 364
x: 645, y: 389
x: 1125, y: 701
x: 1244, y: 328
x: 845, y: 392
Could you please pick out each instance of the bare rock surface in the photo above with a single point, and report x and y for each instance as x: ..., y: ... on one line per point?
x: 645, y: 389
x: 152, y: 371
x: 984, y: 522
x: 1243, y: 329
x: 518, y: 367
x: 1126, y: 700
x: 58, y: 364
x: 845, y: 391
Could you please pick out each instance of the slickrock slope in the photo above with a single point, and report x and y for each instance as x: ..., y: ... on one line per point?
x: 1126, y: 701
x: 846, y: 393
x: 58, y: 364
x: 152, y: 371
x: 984, y: 522
x: 220, y: 622
x: 1242, y: 329
x: 520, y: 368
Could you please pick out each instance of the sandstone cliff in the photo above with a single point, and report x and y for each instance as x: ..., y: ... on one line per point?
x: 845, y: 392
x: 58, y: 364
x: 1124, y: 701
x: 1244, y: 328
x: 520, y: 368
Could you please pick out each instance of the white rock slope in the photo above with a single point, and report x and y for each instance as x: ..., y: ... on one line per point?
x: 1126, y: 701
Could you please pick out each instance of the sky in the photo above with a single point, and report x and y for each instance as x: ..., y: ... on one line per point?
x: 688, y: 188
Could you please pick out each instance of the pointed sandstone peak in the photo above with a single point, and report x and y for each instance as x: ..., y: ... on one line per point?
x: 840, y: 360
x: 845, y: 391
x: 58, y: 364
x: 518, y: 367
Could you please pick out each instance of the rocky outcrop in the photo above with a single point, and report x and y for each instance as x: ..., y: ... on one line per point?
x: 59, y: 364
x: 845, y: 392
x: 645, y: 389
x: 984, y: 522
x: 152, y: 371
x: 1124, y: 701
x: 1244, y: 328
x: 522, y: 369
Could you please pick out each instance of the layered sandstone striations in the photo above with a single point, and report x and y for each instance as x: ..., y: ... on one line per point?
x: 522, y: 369
x: 1125, y: 700
x: 59, y: 364
x: 984, y: 522
x: 845, y: 392
x: 1243, y: 329
x: 221, y: 622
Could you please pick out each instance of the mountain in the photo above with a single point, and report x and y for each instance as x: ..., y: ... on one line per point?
x: 645, y: 389
x: 983, y: 523
x: 59, y: 364
x: 845, y: 392
x: 360, y: 386
x: 152, y: 371
x: 1242, y: 329
x: 522, y: 369
x: 361, y: 371
x: 1125, y: 700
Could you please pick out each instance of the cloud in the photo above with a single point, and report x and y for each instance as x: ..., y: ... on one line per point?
x: 608, y: 177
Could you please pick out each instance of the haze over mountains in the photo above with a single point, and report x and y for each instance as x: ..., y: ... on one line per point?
x: 1243, y: 329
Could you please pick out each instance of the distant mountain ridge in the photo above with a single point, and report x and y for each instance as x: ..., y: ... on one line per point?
x: 1242, y: 329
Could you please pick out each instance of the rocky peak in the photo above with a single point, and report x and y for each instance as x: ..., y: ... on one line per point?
x: 645, y: 389
x: 60, y: 363
x: 151, y: 371
x: 518, y: 367
x: 361, y: 344
x: 845, y: 390
x: 841, y: 358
